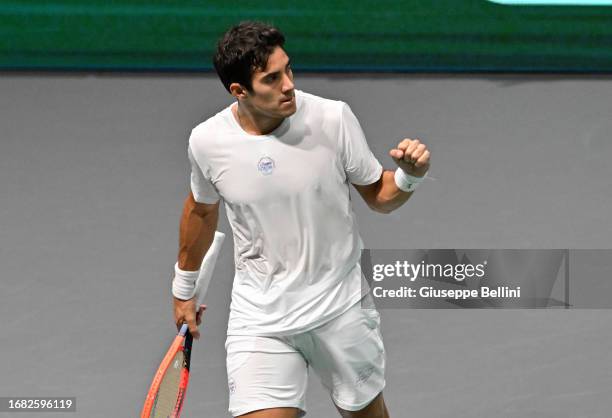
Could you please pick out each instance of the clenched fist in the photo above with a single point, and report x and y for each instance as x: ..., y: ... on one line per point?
x: 412, y: 156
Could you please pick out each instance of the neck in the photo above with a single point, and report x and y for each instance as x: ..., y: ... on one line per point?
x: 255, y: 123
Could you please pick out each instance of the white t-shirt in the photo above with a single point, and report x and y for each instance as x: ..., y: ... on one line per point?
x: 296, y: 244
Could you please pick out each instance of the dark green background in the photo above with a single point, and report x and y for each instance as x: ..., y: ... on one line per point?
x: 404, y: 35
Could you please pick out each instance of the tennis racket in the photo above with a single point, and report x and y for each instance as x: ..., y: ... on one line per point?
x: 167, y: 392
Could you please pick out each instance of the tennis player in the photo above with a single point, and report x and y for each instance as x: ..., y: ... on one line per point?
x: 282, y: 160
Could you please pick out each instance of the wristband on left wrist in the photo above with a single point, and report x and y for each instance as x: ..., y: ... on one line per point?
x: 406, y: 182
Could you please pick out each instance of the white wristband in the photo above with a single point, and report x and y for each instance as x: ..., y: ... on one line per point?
x: 183, y: 284
x: 406, y: 182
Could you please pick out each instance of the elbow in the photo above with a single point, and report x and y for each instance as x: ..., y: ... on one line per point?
x: 383, y: 206
x: 385, y: 210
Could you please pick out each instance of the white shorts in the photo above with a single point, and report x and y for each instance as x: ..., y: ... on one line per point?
x: 346, y: 353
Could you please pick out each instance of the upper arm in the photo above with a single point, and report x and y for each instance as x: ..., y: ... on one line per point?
x: 360, y: 164
x: 202, y: 188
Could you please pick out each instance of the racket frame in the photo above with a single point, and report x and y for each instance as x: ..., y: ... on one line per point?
x: 182, y: 342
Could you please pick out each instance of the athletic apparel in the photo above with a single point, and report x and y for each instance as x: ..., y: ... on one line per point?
x: 286, y: 195
x: 347, y: 354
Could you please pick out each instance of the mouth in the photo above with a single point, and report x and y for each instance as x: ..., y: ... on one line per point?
x: 289, y: 100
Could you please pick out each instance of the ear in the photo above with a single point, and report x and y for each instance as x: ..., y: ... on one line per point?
x: 238, y: 91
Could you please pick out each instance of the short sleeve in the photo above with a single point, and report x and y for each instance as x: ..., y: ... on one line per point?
x: 201, y: 186
x: 360, y: 165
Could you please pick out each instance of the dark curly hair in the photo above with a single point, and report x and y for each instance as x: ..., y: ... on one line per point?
x: 244, y: 49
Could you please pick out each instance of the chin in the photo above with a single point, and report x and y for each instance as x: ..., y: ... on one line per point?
x: 288, y: 112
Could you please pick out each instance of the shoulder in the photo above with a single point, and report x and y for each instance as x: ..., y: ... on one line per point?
x: 207, y: 132
x: 312, y: 101
x: 327, y: 112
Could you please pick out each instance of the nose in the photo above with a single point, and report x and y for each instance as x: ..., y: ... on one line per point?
x: 287, y: 83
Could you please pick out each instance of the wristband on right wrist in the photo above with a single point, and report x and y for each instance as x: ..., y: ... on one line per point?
x: 183, y: 284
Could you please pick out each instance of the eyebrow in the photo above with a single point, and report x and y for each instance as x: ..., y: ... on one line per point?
x: 276, y: 72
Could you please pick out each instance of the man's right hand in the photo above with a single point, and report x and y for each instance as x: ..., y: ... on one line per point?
x: 185, y: 312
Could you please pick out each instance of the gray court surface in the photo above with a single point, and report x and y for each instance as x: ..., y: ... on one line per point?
x: 93, y: 172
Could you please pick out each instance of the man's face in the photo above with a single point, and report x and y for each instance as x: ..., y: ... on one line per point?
x: 273, y: 89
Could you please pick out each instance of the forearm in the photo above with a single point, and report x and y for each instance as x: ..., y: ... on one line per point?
x: 196, y: 233
x: 388, y: 196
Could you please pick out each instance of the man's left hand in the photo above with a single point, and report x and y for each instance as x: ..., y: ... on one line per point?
x: 412, y: 156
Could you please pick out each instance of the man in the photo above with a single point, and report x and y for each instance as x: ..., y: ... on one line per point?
x: 282, y: 160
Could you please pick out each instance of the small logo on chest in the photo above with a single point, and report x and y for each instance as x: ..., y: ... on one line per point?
x: 265, y: 166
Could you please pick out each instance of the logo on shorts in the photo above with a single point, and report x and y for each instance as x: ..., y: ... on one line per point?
x: 364, y: 374
x: 265, y: 166
x: 231, y: 386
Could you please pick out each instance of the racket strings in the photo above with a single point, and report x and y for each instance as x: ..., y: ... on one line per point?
x: 165, y: 400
